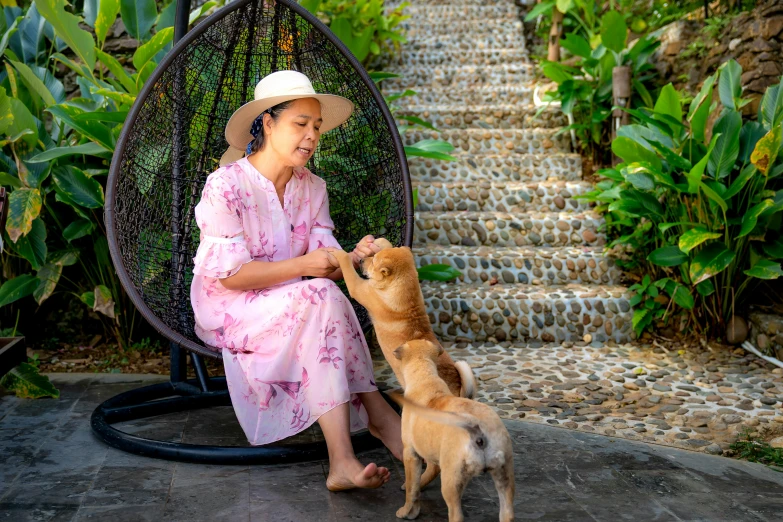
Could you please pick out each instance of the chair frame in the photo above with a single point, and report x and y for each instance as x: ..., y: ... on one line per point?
x: 180, y: 393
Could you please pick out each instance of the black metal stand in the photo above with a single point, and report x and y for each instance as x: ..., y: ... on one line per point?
x: 183, y: 395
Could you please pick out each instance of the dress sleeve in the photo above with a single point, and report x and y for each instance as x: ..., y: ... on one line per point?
x: 322, y: 230
x: 222, y: 249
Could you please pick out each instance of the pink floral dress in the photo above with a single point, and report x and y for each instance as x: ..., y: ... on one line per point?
x: 292, y: 351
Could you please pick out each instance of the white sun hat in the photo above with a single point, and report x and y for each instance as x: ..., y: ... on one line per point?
x: 273, y: 89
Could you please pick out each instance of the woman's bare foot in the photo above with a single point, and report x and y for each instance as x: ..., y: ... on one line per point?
x: 352, y: 475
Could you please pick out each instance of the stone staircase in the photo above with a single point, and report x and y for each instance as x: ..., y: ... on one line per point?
x: 505, y: 215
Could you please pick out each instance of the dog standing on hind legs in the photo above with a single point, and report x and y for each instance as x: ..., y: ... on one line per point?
x: 465, y: 438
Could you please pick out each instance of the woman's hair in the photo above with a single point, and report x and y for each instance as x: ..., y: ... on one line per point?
x: 274, y: 112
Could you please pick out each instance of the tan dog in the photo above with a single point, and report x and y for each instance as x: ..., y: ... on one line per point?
x: 392, y: 296
x: 465, y: 437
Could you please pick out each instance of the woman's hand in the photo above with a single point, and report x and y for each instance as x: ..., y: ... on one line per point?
x: 365, y: 248
x: 318, y: 264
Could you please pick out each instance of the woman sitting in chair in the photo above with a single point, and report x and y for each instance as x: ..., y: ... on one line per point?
x: 293, y: 350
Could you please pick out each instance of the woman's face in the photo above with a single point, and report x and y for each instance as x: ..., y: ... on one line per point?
x: 295, y: 134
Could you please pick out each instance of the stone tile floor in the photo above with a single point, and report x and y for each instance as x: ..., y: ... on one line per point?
x: 54, y: 469
x: 698, y: 398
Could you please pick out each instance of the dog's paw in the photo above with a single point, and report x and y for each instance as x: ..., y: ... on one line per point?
x: 408, y: 512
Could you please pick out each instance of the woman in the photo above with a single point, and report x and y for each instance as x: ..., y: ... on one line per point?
x: 292, y: 348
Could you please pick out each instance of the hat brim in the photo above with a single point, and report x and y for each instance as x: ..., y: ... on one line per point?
x: 335, y: 110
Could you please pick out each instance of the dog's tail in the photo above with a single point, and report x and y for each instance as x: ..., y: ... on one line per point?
x: 468, y: 388
x: 460, y: 420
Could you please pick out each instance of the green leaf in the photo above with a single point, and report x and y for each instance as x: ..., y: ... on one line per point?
x: 765, y: 269
x: 24, y: 205
x: 556, y: 72
x: 147, y: 52
x: 93, y: 130
x: 7, y: 180
x: 704, y: 96
x: 641, y: 180
x: 766, y: 151
x: 79, y: 228
x: 118, y: 71
x: 167, y: 16
x: 104, y: 19
x: 667, y: 256
x: 564, y: 5
x: 713, y: 196
x: 750, y: 218
x: 711, y: 260
x: 669, y: 103
x: 613, y: 31
x: 310, y: 5
x: 33, y: 246
x: 729, y: 85
x: 413, y: 152
x: 682, y: 297
x: 751, y: 133
x: 640, y: 319
x: 696, y: 173
x: 739, y: 183
x: 695, y: 237
x: 576, y: 45
x: 699, y: 121
x: 540, y: 9
x: 724, y: 155
x: 33, y: 83
x: 17, y: 288
x: 66, y: 25
x: 138, y: 16
x: 88, y: 298
x: 27, y: 383
x: 674, y: 160
x: 705, y: 288
x: 48, y: 277
x: 341, y: 27
x: 771, y: 108
x: 89, y: 149
x: 79, y: 188
x: 23, y: 123
x: 774, y: 248
x: 631, y: 151
x: 6, y: 113
x: 64, y: 257
x: 438, y: 272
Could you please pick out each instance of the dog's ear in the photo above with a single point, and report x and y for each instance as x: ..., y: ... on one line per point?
x: 385, y: 271
x: 398, y: 351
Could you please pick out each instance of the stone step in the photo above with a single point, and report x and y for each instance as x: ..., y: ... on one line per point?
x: 501, y: 229
x: 424, y: 42
x: 517, y: 312
x: 497, y: 167
x: 535, y: 266
x: 447, y: 58
x: 493, y: 13
x: 459, y: 77
x: 497, y: 116
x: 493, y: 196
x: 424, y: 26
x: 500, y: 141
x: 509, y: 94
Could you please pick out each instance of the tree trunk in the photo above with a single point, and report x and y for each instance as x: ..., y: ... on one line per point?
x: 621, y: 97
x: 554, y: 35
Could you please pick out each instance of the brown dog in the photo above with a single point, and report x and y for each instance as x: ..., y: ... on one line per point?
x: 466, y: 438
x: 392, y: 296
